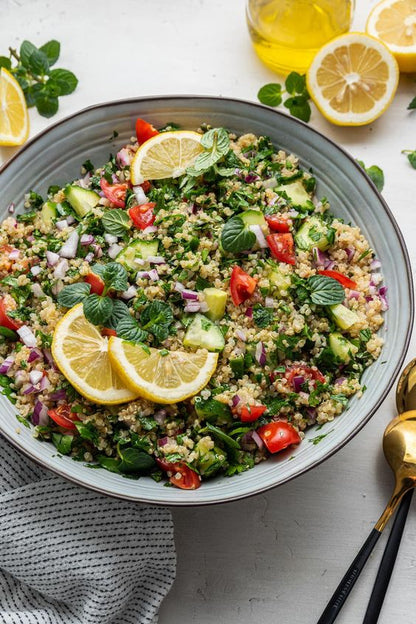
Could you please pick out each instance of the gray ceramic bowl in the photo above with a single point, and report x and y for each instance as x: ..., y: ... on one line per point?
x: 55, y: 157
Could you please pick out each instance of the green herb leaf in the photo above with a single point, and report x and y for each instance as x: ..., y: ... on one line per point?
x: 109, y: 463
x: 52, y: 49
x: 98, y: 309
x: 73, y: 293
x: 87, y: 431
x: 412, y: 104
x: 63, y: 443
x: 115, y: 276
x: 411, y: 156
x: 220, y: 435
x: 270, y: 94
x: 157, y: 318
x: 235, y: 237
x: 299, y: 107
x: 375, y: 174
x: 262, y: 316
x: 116, y: 222
x: 5, y: 62
x: 216, y: 144
x: 325, y: 290
x: 129, y: 329
x: 120, y: 310
x: 46, y: 105
x: 135, y: 461
x: 296, y: 83
x: 64, y: 79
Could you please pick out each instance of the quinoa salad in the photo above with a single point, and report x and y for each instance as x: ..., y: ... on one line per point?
x: 236, y: 256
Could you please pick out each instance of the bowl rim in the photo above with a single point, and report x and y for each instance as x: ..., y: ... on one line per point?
x: 261, y: 489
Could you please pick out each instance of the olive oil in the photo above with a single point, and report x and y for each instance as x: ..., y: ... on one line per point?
x: 286, y: 34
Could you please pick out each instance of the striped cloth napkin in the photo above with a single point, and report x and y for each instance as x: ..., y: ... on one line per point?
x: 70, y: 556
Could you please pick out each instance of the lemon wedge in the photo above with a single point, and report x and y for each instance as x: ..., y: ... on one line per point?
x: 394, y: 23
x: 81, y: 354
x: 159, y: 375
x: 14, y: 118
x: 165, y: 155
x: 352, y: 79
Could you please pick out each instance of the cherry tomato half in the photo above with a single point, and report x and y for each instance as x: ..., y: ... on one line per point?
x: 116, y: 193
x: 278, y: 435
x: 278, y: 223
x: 144, y: 131
x: 5, y: 320
x: 242, y: 285
x: 63, y: 416
x: 308, y: 373
x: 340, y: 277
x: 106, y: 331
x: 96, y: 283
x: 250, y: 413
x: 188, y: 480
x: 142, y: 216
x: 282, y: 247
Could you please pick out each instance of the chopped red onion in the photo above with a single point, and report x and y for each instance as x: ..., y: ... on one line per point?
x: 235, y: 400
x: 189, y: 294
x: 298, y: 382
x: 37, y: 290
x: 142, y: 274
x: 330, y: 265
x: 44, y: 383
x: 114, y: 250
x: 382, y: 294
x: 140, y: 195
x: 269, y: 302
x: 350, y: 253
x: 251, y: 177
x: 375, y: 264
x: 129, y: 293
x: 320, y: 258
x: 40, y: 414
x: 11, y: 207
x: 124, y: 157
x: 48, y: 357
x: 98, y: 252
x: 339, y: 381
x: 372, y: 288
x: 61, y: 268
x: 84, y: 182
x: 35, y: 270
x: 69, y: 249
x: 249, y: 312
x: 260, y: 354
x: 34, y: 354
x: 110, y: 238
x: 27, y: 336
x: 241, y: 335
x: 14, y: 254
x: 89, y: 257
x: 35, y: 376
x: 6, y: 365
x: 192, y: 306
x: 62, y: 225
x: 153, y: 275
x: 311, y: 411
x: 151, y: 229
x: 57, y: 287
x: 160, y: 416
x: 87, y: 239
x: 139, y: 261
x: 59, y: 395
x: 261, y: 239
x: 354, y: 294
x: 368, y: 298
x: 156, y: 260
x: 179, y: 287
x: 257, y: 439
x: 70, y: 219
x: 163, y: 441
x: 52, y: 258
x: 30, y: 389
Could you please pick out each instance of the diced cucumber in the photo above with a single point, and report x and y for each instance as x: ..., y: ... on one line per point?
x: 137, y: 250
x: 237, y: 366
x: 210, y: 459
x: 340, y: 346
x: 296, y: 192
x: 213, y: 411
x: 253, y: 217
x: 343, y: 316
x: 313, y: 233
x: 48, y: 213
x: 82, y: 200
x: 280, y: 281
x: 216, y: 301
x: 204, y: 334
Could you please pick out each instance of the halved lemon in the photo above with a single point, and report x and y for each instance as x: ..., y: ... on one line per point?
x: 159, y: 375
x: 14, y: 118
x: 166, y: 155
x: 394, y: 22
x: 81, y: 354
x: 352, y: 79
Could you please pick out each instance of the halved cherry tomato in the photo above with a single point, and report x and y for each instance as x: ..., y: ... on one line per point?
x: 282, y: 247
x: 63, y: 416
x: 308, y: 373
x: 340, y: 277
x: 146, y: 186
x: 250, y: 413
x: 278, y: 223
x: 5, y: 320
x: 142, y: 216
x: 188, y: 480
x: 242, y: 285
x: 144, y: 131
x: 278, y: 435
x: 96, y: 283
x: 116, y: 193
x: 106, y: 331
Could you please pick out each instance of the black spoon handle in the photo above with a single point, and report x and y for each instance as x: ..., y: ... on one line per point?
x: 342, y: 591
x: 387, y: 563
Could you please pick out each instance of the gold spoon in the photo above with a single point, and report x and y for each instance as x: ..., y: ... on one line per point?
x: 399, y: 445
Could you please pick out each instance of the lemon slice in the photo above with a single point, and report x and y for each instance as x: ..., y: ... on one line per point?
x: 159, y: 375
x: 394, y: 22
x: 352, y: 79
x: 81, y: 353
x: 165, y: 155
x: 14, y: 118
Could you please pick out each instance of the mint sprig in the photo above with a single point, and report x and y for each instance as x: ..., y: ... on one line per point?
x: 375, y: 174
x: 236, y: 236
x: 411, y: 156
x: 41, y: 85
x: 216, y: 144
x: 298, y: 98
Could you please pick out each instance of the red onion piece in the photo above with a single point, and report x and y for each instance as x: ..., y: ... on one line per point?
x: 189, y: 294
x: 69, y: 248
x: 257, y: 439
x: 330, y: 265
x: 84, y: 182
x: 235, y: 400
x: 34, y: 354
x: 89, y: 257
x: 354, y: 294
x: 6, y: 365
x: 163, y: 441
x: 35, y: 376
x: 52, y: 258
x: 62, y: 224
x: 339, y: 381
x: 40, y: 414
x: 97, y: 250
x: 30, y: 389
x: 350, y: 253
x: 124, y: 157
x: 192, y: 306
x: 140, y: 195
x: 44, y: 383
x: 59, y: 395
x: 298, y: 382
x: 261, y: 239
x: 251, y: 177
x: 160, y: 416
x: 260, y: 354
x: 35, y: 270
x: 48, y: 357
x: 382, y: 294
x: 110, y: 238
x: 151, y: 229
x: 114, y: 250
x: 142, y: 274
x: 87, y: 239
x: 153, y: 275
x: 14, y: 254
x: 129, y: 293
x: 320, y: 258
x: 375, y: 264
x: 249, y: 312
x: 27, y: 336
x: 70, y: 219
x: 179, y: 287
x: 11, y: 207
x: 156, y: 260
x: 241, y: 335
x: 19, y: 378
x: 61, y: 268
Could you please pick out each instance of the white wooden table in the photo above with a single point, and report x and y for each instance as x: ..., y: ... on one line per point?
x: 278, y: 556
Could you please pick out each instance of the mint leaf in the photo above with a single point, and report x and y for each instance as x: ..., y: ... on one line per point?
x: 116, y: 222
x: 411, y: 156
x: 296, y: 83
x: 33, y: 59
x: 64, y: 80
x: 412, y: 104
x: 262, y: 316
x: 62, y: 442
x: 235, y: 237
x: 26, y: 51
x: 375, y: 174
x: 46, y: 105
x: 325, y: 290
x: 129, y: 329
x: 135, y: 461
x: 299, y: 107
x: 270, y: 94
x: 72, y: 294
x: 120, y: 310
x: 157, y: 318
x: 5, y: 62
x: 216, y: 144
x: 52, y: 49
x: 97, y: 310
x: 115, y: 276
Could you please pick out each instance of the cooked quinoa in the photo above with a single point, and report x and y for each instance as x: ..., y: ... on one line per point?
x: 242, y: 258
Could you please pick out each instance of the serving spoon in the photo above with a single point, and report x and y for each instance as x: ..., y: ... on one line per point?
x: 399, y: 446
